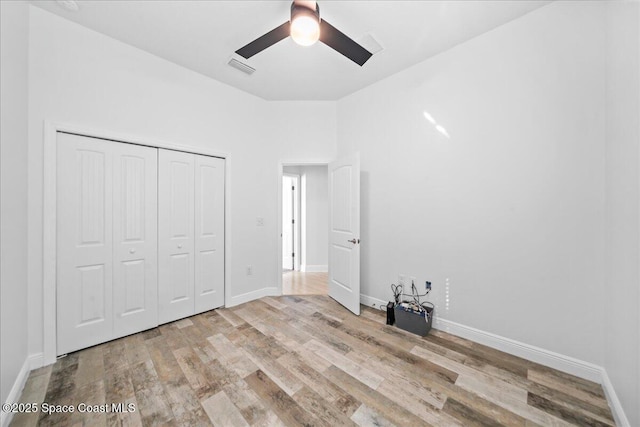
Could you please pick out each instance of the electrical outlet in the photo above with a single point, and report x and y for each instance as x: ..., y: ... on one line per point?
x: 427, y: 285
x: 249, y: 270
x: 260, y: 222
x: 400, y: 279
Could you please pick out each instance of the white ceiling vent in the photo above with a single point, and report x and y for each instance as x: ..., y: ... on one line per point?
x: 241, y: 66
x: 71, y: 5
x: 369, y: 43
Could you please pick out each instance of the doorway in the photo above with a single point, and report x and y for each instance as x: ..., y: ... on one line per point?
x: 305, y: 231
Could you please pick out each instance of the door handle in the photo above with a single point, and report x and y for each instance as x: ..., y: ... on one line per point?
x: 132, y: 251
x: 179, y: 245
x: 354, y: 241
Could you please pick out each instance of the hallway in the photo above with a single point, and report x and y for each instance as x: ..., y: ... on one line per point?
x: 298, y: 283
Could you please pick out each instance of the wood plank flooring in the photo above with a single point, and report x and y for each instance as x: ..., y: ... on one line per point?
x: 306, y: 361
x: 298, y: 283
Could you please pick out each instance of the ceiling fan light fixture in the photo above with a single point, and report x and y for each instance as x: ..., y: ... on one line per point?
x: 305, y: 24
x: 305, y: 27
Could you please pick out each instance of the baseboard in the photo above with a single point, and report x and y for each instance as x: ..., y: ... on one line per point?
x: 250, y: 296
x: 563, y: 363
x: 16, y: 391
x: 619, y: 415
x: 314, y: 268
x: 36, y: 361
x: 539, y: 355
x: 371, y: 301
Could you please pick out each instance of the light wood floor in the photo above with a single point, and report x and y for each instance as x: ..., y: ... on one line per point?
x: 307, y: 361
x: 297, y: 283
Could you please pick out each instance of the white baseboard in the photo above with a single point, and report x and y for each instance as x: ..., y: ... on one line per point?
x: 570, y: 365
x: 563, y: 363
x: 16, y: 391
x: 371, y: 301
x: 36, y: 361
x: 314, y: 268
x: 619, y: 415
x: 250, y: 296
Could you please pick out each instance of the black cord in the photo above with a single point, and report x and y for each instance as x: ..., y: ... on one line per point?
x: 414, y: 291
x: 397, y: 291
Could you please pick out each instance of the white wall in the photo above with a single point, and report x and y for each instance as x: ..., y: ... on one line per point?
x: 505, y: 217
x: 13, y: 192
x: 81, y: 77
x: 622, y: 303
x: 316, y: 223
x: 314, y: 215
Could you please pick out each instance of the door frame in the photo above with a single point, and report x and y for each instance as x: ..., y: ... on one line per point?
x: 49, y: 256
x: 297, y: 232
x: 280, y: 173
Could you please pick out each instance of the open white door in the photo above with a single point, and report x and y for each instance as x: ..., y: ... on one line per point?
x: 344, y: 232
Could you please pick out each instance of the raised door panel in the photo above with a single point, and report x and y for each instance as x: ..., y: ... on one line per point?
x: 84, y: 242
x: 209, y: 233
x: 135, y: 229
x: 176, y: 235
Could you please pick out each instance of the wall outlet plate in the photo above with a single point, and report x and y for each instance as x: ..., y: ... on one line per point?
x: 249, y: 270
x: 401, y: 279
x: 260, y: 221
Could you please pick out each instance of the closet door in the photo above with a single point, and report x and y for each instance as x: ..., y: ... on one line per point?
x: 176, y: 235
x: 209, y: 233
x: 84, y: 242
x: 135, y: 240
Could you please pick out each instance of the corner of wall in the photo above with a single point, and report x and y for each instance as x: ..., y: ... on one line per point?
x: 619, y: 415
x: 13, y: 196
x: 16, y: 391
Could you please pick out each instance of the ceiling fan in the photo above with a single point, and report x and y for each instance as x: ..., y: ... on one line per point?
x: 305, y: 28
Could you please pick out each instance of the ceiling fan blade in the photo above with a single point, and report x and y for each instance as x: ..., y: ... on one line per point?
x: 263, y: 42
x: 338, y: 41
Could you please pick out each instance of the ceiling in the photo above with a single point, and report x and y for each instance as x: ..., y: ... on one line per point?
x: 203, y: 36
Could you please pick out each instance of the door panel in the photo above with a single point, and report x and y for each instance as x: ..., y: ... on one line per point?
x: 344, y: 232
x: 180, y: 274
x: 133, y: 280
x: 209, y: 233
x: 181, y: 195
x: 135, y: 228
x: 84, y: 242
x: 92, y: 290
x: 176, y: 235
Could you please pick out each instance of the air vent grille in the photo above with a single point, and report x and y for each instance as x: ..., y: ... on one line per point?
x: 241, y: 66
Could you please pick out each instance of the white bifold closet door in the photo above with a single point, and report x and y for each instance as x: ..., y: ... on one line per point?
x: 106, y: 240
x: 191, y: 234
x: 176, y: 234
x: 209, y: 233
